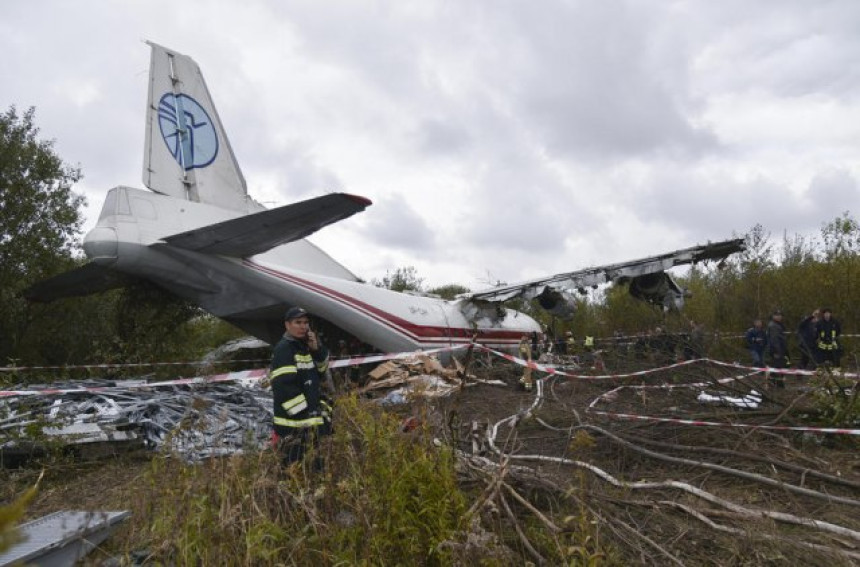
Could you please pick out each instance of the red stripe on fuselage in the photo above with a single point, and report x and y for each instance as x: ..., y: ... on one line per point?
x: 419, y: 333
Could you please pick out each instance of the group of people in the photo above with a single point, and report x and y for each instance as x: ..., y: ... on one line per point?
x: 661, y: 347
x: 818, y: 336
x: 302, y: 413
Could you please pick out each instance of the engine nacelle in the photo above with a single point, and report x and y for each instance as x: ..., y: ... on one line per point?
x: 659, y: 289
x: 557, y: 302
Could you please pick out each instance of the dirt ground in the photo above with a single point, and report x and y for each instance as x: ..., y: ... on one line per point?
x: 652, y: 523
x: 659, y: 493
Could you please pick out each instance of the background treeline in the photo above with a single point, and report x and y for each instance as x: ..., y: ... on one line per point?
x: 40, y: 229
x: 40, y: 225
x: 795, y: 275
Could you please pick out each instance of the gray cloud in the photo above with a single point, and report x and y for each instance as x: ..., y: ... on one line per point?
x: 395, y: 224
x: 516, y: 138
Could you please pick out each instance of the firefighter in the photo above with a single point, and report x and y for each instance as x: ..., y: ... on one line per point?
x: 570, y: 343
x: 806, y: 336
x: 756, y: 341
x: 777, y: 348
x: 526, y: 354
x: 299, y: 363
x: 827, y: 333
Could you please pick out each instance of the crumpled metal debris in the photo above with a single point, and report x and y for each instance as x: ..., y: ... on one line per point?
x: 193, y: 421
x: 750, y: 401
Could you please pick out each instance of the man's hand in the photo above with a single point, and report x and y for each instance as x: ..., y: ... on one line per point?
x: 313, y: 343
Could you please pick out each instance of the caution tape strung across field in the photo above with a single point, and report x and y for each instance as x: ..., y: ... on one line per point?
x: 729, y: 424
x: 259, y: 373
x: 122, y: 365
x: 555, y: 372
x: 242, y: 375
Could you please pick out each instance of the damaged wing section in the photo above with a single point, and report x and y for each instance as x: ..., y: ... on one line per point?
x: 647, y: 279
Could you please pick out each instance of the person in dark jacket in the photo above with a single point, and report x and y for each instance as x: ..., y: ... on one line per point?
x: 299, y: 362
x: 806, y: 338
x: 827, y: 333
x: 756, y: 340
x: 777, y: 346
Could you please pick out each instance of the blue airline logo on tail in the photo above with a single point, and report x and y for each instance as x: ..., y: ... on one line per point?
x: 187, y: 130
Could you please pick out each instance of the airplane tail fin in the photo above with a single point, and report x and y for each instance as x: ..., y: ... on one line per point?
x: 187, y: 154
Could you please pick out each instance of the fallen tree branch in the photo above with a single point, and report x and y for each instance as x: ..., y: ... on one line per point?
x: 526, y: 543
x: 723, y: 469
x: 546, y: 521
x: 683, y: 486
x: 719, y: 527
x: 750, y: 456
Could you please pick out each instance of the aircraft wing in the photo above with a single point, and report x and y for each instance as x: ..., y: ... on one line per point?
x: 256, y: 233
x: 89, y: 278
x: 617, y: 273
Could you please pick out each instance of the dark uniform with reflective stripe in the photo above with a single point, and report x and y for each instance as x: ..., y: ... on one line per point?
x: 828, y: 333
x: 300, y: 412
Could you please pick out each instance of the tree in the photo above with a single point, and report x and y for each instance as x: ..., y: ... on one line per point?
x: 40, y: 218
x: 449, y: 291
x: 403, y: 279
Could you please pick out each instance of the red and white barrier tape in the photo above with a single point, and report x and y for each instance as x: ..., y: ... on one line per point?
x: 122, y: 365
x: 260, y: 373
x: 255, y: 374
x: 788, y: 371
x: 721, y: 424
x: 553, y: 371
x: 549, y: 369
x: 359, y: 360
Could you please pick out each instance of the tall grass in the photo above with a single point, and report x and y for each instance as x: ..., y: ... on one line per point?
x: 384, y: 497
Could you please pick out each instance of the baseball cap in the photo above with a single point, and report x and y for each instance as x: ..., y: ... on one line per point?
x: 294, y: 313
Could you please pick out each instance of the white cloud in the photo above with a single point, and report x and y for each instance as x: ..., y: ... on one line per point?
x: 499, y: 140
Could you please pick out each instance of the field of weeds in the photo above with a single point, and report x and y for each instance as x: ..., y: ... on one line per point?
x: 492, y: 475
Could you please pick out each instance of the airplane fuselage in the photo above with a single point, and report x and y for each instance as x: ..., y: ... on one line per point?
x: 254, y: 292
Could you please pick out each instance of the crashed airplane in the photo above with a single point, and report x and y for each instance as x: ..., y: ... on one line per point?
x: 198, y: 234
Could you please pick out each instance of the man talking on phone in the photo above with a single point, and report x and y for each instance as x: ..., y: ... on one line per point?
x: 299, y: 363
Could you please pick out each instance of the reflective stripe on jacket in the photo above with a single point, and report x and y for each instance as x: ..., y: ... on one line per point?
x: 296, y: 374
x: 827, y: 332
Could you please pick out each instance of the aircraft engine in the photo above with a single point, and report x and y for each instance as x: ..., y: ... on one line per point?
x: 659, y: 289
x: 557, y: 302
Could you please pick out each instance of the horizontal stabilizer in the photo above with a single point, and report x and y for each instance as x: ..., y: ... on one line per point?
x: 256, y: 233
x: 90, y: 278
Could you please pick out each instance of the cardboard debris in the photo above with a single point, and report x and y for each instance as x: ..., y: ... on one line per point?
x: 416, y: 370
x: 383, y: 370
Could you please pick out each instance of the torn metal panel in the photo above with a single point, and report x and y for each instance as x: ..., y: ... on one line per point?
x: 61, y: 538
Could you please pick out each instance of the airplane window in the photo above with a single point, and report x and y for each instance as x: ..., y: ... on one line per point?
x: 109, y: 208
x: 123, y: 207
x: 144, y: 209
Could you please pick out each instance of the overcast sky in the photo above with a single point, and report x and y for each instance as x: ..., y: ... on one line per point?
x: 498, y: 140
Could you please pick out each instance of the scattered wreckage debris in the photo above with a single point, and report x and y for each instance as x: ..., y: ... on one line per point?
x: 193, y: 419
x: 660, y: 493
x: 663, y: 493
x: 61, y: 538
x: 750, y: 401
x: 420, y: 376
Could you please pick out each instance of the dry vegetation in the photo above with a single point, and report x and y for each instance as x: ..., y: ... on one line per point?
x: 495, y: 476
